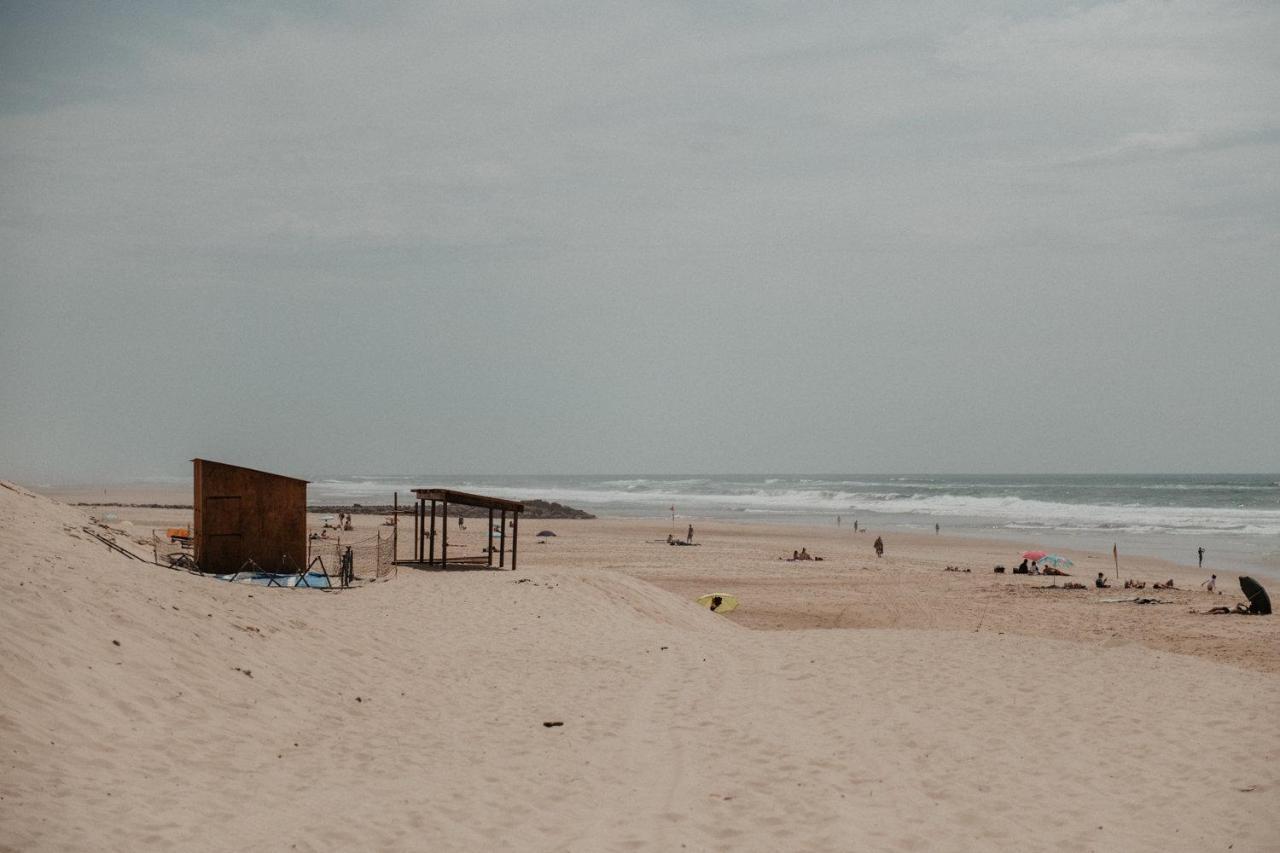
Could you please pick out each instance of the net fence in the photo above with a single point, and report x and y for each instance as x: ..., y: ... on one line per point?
x: 370, y: 554
x: 363, y: 555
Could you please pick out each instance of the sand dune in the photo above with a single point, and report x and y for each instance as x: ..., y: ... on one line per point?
x: 149, y: 709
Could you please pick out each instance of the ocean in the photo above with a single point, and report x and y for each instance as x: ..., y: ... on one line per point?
x: 1234, y: 517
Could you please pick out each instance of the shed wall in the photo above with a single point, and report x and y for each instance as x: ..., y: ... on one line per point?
x: 242, y: 514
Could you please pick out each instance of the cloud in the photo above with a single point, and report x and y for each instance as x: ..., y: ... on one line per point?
x: 794, y: 192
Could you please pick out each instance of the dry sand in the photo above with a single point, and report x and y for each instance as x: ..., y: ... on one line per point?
x: 899, y: 707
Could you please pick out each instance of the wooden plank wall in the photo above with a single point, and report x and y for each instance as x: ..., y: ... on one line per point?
x: 242, y: 514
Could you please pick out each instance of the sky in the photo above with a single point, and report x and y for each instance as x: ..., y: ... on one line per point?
x: 577, y: 238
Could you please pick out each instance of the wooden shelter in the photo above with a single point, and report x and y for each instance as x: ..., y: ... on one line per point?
x: 242, y: 515
x: 425, y: 531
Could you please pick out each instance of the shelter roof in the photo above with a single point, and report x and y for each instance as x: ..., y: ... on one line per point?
x: 468, y: 499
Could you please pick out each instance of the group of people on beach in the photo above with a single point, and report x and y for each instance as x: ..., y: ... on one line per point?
x: 344, y: 522
x: 1034, y: 568
x: 797, y: 556
x: 687, y: 540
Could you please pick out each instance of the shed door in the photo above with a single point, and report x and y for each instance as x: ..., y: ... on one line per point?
x: 222, y: 535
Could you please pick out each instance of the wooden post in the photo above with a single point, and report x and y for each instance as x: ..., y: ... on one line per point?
x: 515, y: 537
x: 502, y: 541
x: 395, y: 527
x: 420, y: 522
x: 444, y: 539
x: 489, y: 561
x: 431, y: 543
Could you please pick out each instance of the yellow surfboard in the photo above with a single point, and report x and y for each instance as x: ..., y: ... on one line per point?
x: 719, y: 602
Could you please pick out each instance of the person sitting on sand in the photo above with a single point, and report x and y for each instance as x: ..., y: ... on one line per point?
x: 795, y: 555
x: 1035, y: 567
x: 804, y: 554
x: 671, y: 539
x: 1023, y: 568
x: 1210, y: 583
x: 1101, y: 582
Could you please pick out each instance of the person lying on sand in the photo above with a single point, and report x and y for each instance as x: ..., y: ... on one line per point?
x: 1050, y: 570
x: 1241, y: 609
x: 1133, y: 584
x: 1166, y: 585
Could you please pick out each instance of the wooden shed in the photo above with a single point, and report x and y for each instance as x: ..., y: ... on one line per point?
x: 242, y: 514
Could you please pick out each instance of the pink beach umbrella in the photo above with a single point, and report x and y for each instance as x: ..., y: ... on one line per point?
x: 1033, y: 555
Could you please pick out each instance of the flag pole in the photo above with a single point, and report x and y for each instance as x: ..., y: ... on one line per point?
x: 1115, y: 553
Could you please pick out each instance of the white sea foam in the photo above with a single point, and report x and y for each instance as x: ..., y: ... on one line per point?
x: 899, y: 496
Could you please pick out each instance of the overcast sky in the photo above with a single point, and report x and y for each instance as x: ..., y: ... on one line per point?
x: 656, y: 237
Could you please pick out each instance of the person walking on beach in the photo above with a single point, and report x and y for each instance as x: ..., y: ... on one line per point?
x: 937, y: 528
x: 1201, y: 557
x: 879, y: 546
x: 689, y: 538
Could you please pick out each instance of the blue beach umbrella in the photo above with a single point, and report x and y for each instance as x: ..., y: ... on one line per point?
x: 1056, y: 561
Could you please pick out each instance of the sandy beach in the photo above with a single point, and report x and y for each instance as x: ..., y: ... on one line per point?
x: 849, y: 703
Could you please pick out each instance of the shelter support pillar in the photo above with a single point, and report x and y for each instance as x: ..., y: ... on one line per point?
x: 515, y: 537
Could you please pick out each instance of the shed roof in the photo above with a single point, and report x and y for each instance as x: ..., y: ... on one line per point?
x: 253, y: 470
